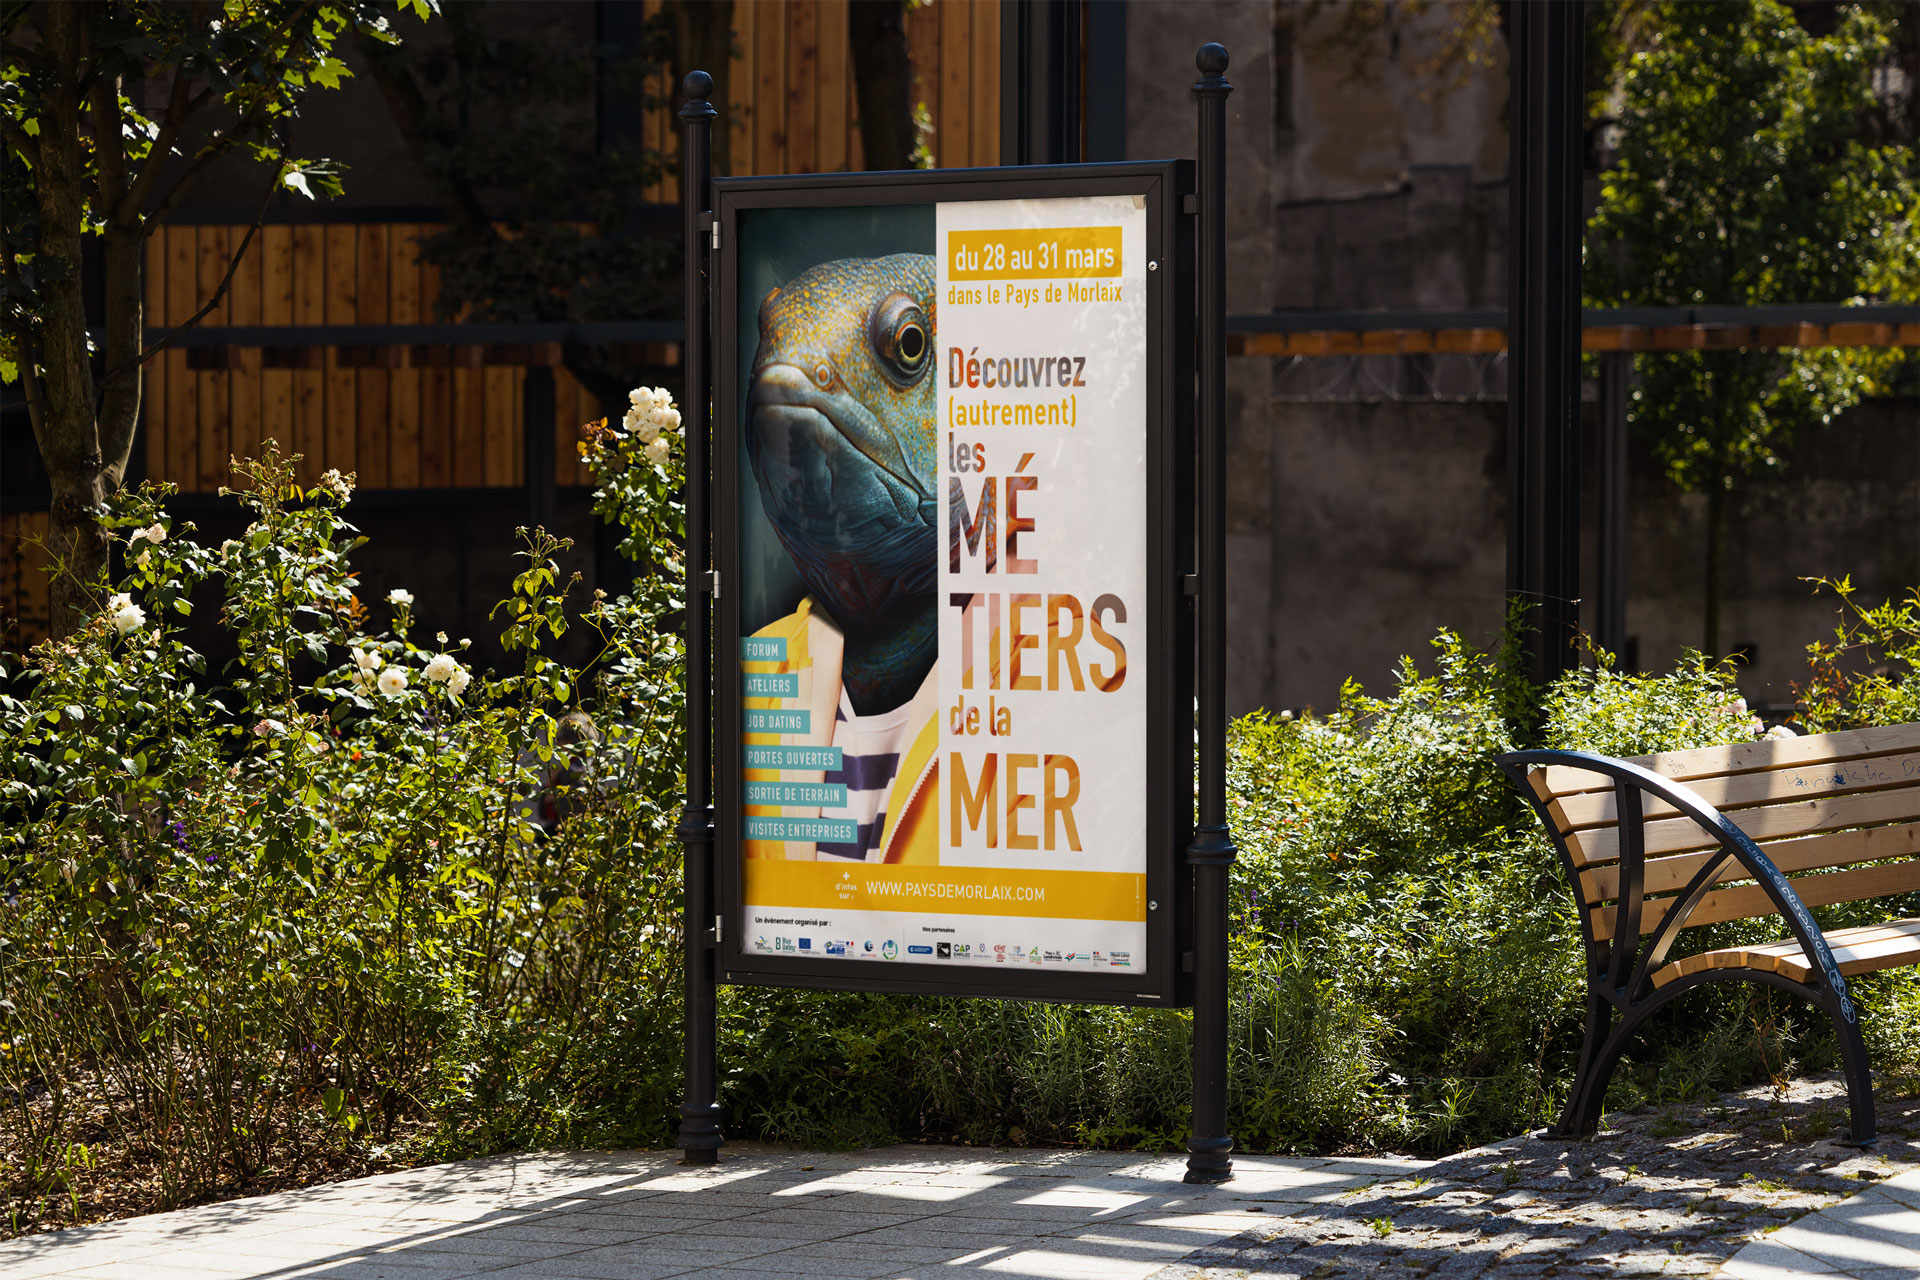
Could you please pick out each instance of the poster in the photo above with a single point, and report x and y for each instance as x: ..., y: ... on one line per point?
x: 942, y: 555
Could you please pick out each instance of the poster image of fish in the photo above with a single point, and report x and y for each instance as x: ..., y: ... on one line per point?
x: 840, y: 568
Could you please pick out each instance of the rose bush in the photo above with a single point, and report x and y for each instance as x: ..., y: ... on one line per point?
x: 263, y: 919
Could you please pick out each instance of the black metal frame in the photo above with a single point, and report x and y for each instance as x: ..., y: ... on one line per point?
x: 1164, y: 184
x: 1546, y: 221
x: 1619, y: 972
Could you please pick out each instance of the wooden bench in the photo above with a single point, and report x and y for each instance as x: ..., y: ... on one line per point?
x: 1661, y: 843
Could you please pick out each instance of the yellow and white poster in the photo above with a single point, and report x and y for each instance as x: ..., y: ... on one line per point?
x: 943, y: 573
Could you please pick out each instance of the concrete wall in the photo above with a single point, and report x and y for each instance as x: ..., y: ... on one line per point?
x: 1367, y: 498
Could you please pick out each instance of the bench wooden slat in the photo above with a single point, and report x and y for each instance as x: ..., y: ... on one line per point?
x: 1805, y: 853
x: 1677, y: 835
x: 1744, y: 790
x: 1749, y: 900
x: 1742, y: 757
x: 1862, y: 950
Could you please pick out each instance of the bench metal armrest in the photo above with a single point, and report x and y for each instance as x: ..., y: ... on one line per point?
x: 1630, y: 782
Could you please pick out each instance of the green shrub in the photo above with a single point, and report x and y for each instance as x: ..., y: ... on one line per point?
x: 290, y: 917
x: 258, y: 917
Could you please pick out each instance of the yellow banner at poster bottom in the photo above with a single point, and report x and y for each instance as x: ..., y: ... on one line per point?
x: 961, y: 891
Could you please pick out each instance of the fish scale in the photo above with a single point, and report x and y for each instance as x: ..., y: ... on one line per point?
x: 823, y: 314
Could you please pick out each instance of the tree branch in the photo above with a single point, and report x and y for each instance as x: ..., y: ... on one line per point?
x: 233, y: 265
x: 244, y: 128
x: 109, y: 142
x: 179, y: 107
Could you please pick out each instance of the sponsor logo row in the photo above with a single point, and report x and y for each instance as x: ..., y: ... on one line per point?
x: 889, y: 949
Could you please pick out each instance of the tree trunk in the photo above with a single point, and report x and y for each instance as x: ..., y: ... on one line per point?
x: 61, y: 380
x: 883, y: 81
x: 1716, y: 564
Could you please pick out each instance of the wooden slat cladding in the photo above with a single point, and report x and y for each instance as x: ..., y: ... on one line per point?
x: 386, y: 420
x: 794, y: 103
x: 23, y: 579
x: 398, y: 424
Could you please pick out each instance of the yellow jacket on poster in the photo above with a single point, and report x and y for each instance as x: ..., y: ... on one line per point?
x: 815, y: 649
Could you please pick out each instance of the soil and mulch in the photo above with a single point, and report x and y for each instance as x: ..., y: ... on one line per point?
x: 107, y: 1174
x: 1669, y: 1191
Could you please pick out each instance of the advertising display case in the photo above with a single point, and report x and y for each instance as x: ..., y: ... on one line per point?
x: 953, y: 660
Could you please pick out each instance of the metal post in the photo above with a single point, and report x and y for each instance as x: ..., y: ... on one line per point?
x: 700, y: 1135
x: 1610, y: 626
x: 1211, y: 854
x: 1545, y: 117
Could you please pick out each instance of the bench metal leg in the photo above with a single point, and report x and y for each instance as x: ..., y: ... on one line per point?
x: 1605, y: 1042
x: 1582, y: 1114
x: 1853, y: 1058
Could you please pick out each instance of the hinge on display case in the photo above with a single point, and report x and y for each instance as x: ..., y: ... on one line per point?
x: 716, y: 233
x: 710, y: 583
x: 1189, y: 584
x: 719, y: 933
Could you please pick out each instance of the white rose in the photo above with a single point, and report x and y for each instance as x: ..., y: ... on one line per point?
x: 364, y: 660
x: 666, y: 419
x: 657, y: 451
x: 647, y: 431
x: 269, y: 728
x: 641, y: 398
x: 662, y: 397
x: 633, y: 420
x: 1781, y: 731
x: 400, y: 597
x: 129, y: 617
x: 155, y: 532
x: 457, y: 682
x: 142, y: 558
x: 115, y: 603
x: 441, y: 667
x: 393, y: 682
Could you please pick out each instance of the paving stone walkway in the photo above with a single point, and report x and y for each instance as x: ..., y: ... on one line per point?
x: 1753, y: 1186
x: 903, y: 1211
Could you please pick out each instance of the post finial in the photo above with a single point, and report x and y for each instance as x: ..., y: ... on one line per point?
x: 698, y: 87
x: 1212, y: 59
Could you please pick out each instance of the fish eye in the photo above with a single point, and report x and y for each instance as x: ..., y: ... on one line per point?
x: 901, y: 338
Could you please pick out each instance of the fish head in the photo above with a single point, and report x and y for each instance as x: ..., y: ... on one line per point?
x: 841, y: 431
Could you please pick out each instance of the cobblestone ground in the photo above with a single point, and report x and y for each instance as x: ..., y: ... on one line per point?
x: 1672, y: 1191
